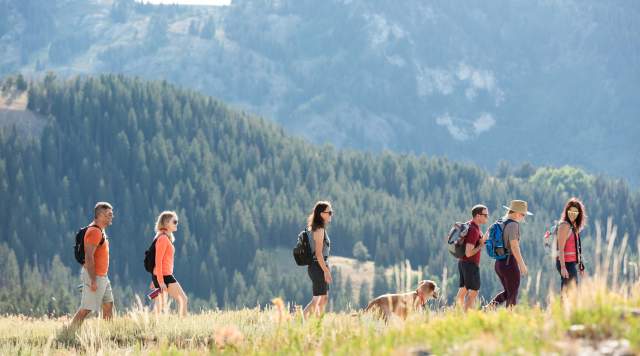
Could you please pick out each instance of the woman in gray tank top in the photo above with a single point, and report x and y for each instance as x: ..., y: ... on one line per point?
x: 318, y: 270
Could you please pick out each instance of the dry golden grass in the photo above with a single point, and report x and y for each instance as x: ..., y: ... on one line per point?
x: 588, y: 317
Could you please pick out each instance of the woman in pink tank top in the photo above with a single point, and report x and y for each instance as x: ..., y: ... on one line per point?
x: 569, y: 260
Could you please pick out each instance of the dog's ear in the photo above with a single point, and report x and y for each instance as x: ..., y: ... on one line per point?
x: 428, y: 286
x: 424, y: 286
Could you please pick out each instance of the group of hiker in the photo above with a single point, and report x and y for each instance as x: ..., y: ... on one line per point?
x: 92, y: 251
x: 501, y: 240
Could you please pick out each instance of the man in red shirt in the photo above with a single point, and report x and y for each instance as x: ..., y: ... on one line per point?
x: 469, y: 264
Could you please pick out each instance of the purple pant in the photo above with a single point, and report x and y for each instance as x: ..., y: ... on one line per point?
x: 509, y: 274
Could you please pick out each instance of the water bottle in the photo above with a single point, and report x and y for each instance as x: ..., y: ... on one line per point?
x: 154, y: 293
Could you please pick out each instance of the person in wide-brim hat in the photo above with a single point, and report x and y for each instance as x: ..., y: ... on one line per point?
x: 518, y: 206
x: 513, y: 266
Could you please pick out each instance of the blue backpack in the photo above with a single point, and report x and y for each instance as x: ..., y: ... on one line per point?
x: 495, y: 242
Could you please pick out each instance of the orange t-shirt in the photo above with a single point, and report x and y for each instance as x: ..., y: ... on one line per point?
x: 93, y: 236
x: 164, y: 257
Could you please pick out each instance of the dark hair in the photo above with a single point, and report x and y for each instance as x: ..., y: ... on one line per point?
x: 581, y: 220
x: 477, y: 210
x: 315, y: 221
x: 100, y: 207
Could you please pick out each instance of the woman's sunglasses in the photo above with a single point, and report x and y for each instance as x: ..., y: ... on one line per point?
x: 328, y: 212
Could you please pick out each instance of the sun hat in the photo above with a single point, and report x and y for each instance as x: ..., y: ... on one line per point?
x: 519, y: 206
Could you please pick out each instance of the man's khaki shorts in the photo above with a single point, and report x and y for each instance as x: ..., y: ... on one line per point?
x: 94, y: 300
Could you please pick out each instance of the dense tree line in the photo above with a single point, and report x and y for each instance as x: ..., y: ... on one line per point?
x: 242, y: 188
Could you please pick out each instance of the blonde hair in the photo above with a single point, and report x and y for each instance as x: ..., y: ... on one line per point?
x: 163, y: 220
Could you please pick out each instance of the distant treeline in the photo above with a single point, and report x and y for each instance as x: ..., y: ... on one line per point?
x: 241, y: 187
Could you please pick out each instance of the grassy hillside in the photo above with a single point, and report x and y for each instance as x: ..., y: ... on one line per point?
x: 595, y: 319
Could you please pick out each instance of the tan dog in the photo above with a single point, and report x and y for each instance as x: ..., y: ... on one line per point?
x: 400, y: 304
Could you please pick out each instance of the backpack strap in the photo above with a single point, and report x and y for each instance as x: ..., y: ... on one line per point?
x: 576, y: 236
x: 101, y: 231
x: 504, y: 226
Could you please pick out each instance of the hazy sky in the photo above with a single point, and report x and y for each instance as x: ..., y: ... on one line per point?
x: 188, y: 2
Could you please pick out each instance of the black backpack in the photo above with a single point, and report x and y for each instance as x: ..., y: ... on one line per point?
x: 150, y: 256
x: 78, y: 248
x: 302, y: 250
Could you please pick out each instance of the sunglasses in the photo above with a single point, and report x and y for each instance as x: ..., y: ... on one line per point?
x: 487, y: 215
x: 572, y: 212
x: 328, y: 212
x: 175, y: 222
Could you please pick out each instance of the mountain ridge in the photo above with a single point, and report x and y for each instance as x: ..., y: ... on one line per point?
x: 553, y: 81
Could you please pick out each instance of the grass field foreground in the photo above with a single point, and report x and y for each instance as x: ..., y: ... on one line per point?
x: 593, y: 317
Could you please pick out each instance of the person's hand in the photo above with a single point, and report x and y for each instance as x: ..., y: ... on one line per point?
x: 163, y: 287
x: 327, y: 277
x: 484, y: 237
x: 93, y: 286
x: 151, y: 286
x: 564, y: 273
x: 523, y: 269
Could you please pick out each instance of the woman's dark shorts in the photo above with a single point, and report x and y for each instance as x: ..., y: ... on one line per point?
x: 167, y: 280
x: 572, y: 268
x: 320, y: 286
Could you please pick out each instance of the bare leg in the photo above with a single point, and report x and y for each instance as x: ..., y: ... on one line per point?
x: 81, y: 314
x: 107, y: 311
x: 176, y: 292
x: 159, y: 304
x: 323, y: 303
x: 462, y: 292
x: 312, y: 306
x: 471, y: 299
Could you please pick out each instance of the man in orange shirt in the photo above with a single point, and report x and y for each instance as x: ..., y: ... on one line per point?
x: 96, y: 287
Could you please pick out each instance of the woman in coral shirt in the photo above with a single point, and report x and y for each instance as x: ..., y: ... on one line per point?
x: 162, y: 277
x: 569, y: 262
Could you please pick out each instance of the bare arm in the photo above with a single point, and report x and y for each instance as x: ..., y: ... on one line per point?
x: 161, y: 247
x: 471, y: 250
x: 89, y: 260
x: 563, y: 236
x: 515, y: 250
x: 318, y: 240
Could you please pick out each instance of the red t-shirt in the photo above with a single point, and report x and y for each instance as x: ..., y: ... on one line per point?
x: 473, y: 237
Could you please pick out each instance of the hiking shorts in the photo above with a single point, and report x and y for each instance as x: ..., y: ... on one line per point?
x: 320, y: 286
x: 469, y: 275
x: 572, y: 268
x: 167, y: 280
x: 94, y: 300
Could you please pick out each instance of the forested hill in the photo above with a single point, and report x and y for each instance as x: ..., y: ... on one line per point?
x: 242, y: 187
x: 556, y: 79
